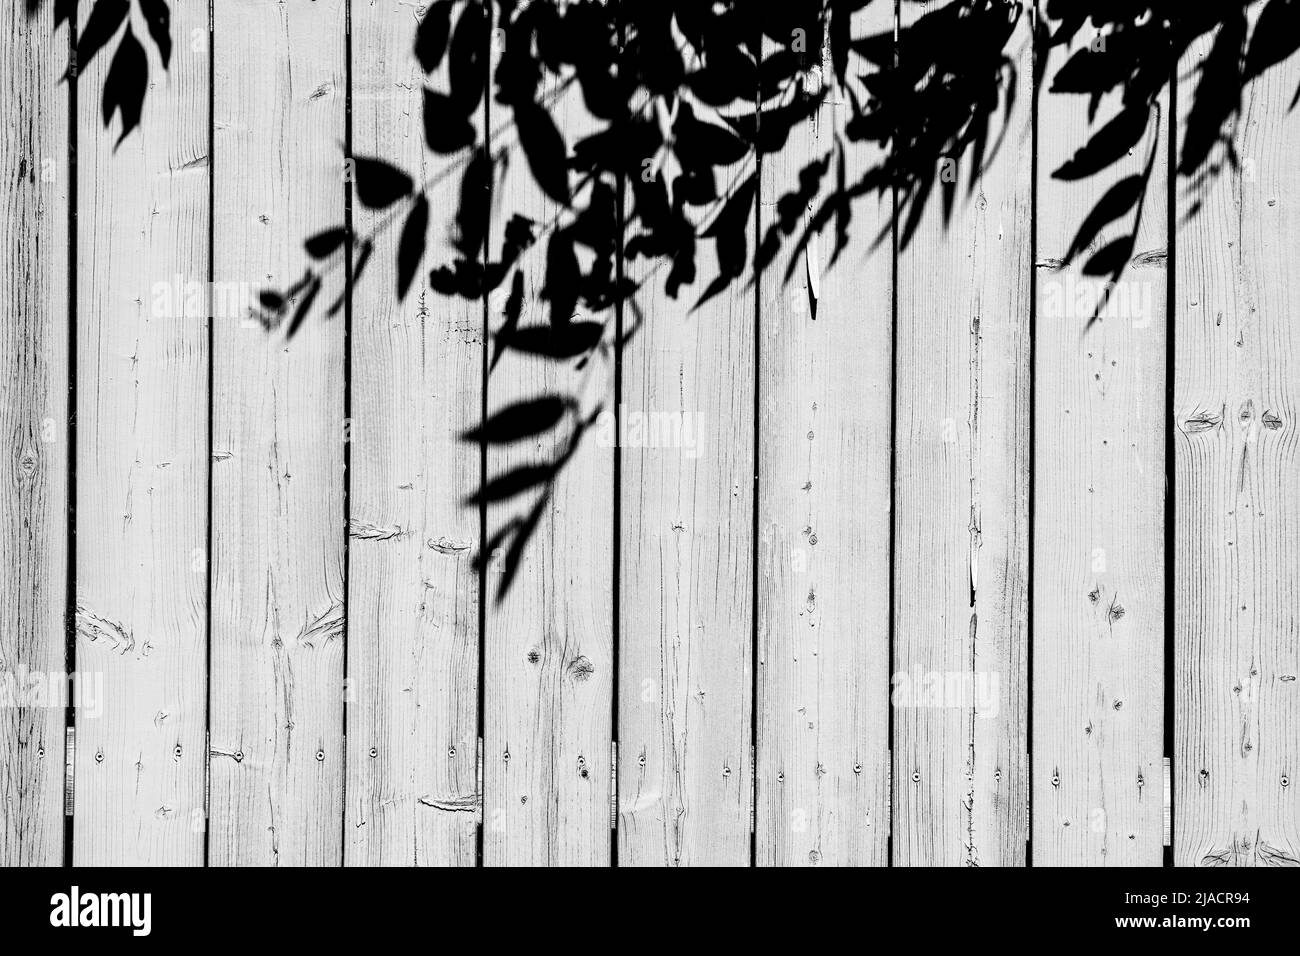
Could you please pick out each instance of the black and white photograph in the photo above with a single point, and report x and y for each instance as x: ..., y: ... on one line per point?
x: 467, y: 434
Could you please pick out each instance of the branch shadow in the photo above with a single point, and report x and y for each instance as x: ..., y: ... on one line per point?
x: 684, y: 93
x: 126, y: 82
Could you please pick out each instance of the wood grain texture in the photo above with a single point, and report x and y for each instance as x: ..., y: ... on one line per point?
x: 1099, y: 493
x: 34, y: 431
x: 549, y: 638
x: 961, y: 504
x: 413, y: 615
x: 685, y: 787
x: 750, y: 433
x: 825, y: 380
x: 277, y: 752
x: 142, y: 412
x: 1237, y: 510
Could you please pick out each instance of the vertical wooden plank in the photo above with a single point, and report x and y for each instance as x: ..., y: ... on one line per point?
x: 962, y: 480
x: 685, y: 769
x: 1099, y: 492
x: 825, y: 386
x: 412, y: 585
x: 1237, y: 558
x: 277, y: 757
x: 33, y: 426
x: 142, y: 413
x: 549, y: 637
x: 142, y: 410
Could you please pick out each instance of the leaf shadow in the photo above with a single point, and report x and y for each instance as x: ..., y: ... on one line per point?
x: 686, y: 101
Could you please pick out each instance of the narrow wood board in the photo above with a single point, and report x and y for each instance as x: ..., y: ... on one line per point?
x: 277, y: 759
x: 413, y: 592
x: 825, y: 386
x: 1099, y: 499
x: 961, y: 503
x: 549, y: 645
x: 142, y: 469
x: 34, y: 381
x: 685, y: 770
x: 1237, y: 520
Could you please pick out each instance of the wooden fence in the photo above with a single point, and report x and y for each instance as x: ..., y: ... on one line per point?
x: 1069, y: 552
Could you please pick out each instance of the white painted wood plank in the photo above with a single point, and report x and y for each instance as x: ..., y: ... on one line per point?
x: 413, y: 621
x: 1099, y: 497
x: 142, y: 412
x: 549, y: 640
x: 824, y: 509
x: 278, y: 540
x: 1237, y: 557
x: 685, y: 788
x: 34, y: 427
x: 961, y: 503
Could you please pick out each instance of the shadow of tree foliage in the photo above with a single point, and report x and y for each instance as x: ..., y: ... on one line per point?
x: 696, y: 88
x: 109, y: 21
